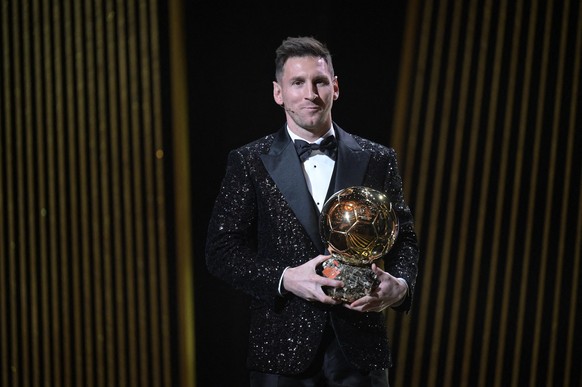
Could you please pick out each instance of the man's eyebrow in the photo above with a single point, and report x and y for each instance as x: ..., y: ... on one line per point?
x: 297, y: 77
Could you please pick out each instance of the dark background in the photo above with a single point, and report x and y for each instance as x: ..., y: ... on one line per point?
x: 231, y: 68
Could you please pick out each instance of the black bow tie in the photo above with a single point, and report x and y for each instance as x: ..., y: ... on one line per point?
x: 327, y: 146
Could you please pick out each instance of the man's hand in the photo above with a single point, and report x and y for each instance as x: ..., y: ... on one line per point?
x: 390, y: 292
x: 304, y: 282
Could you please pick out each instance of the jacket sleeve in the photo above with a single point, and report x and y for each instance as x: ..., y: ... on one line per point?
x: 231, y: 245
x: 402, y: 259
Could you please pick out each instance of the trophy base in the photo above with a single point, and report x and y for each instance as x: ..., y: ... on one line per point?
x: 358, y: 281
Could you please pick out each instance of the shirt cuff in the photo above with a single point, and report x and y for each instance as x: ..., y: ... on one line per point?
x: 282, y: 291
x: 402, y: 280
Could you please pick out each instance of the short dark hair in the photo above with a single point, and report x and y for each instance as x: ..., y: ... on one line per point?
x: 300, y: 46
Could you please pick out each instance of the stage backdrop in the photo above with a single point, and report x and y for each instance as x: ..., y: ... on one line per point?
x: 88, y: 269
x: 115, y: 121
x: 488, y: 122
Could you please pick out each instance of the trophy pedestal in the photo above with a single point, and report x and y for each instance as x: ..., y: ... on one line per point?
x: 358, y: 281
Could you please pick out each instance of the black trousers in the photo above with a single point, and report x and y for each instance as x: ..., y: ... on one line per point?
x: 331, y: 369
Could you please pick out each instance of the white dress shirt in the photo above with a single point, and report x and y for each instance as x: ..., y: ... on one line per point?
x: 317, y: 169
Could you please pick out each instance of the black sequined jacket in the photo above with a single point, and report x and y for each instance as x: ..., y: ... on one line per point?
x: 264, y: 220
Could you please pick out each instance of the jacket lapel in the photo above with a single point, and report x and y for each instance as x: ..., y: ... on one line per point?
x: 352, y: 161
x: 285, y: 169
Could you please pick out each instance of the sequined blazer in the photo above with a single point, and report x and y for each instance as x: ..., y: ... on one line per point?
x: 264, y: 220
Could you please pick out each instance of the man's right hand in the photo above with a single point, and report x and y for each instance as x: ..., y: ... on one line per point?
x: 304, y: 282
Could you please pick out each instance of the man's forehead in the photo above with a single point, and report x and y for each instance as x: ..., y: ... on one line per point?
x: 307, y: 65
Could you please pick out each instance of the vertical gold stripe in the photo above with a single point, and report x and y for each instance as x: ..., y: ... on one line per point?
x: 508, y: 256
x: 52, y: 211
x: 74, y: 214
x: 472, y: 170
x: 5, y: 225
x: 574, y: 313
x: 29, y: 237
x: 417, y: 367
x: 11, y: 165
x: 163, y: 315
x: 129, y: 199
x: 143, y: 144
x: 42, y: 201
x: 399, y: 128
x: 24, y: 260
x: 566, y: 197
x: 32, y: 210
x: 12, y: 259
x: 149, y: 30
x: 126, y: 342
x: 100, y: 191
x: 181, y: 168
x: 515, y: 221
x: 18, y: 284
x: 464, y: 228
x: 64, y: 318
x: 92, y: 236
x: 52, y: 331
x: 149, y: 370
x: 119, y: 204
x: 427, y: 140
x: 450, y: 192
x: 79, y: 278
x: 569, y: 367
x: 416, y: 106
x: 538, y: 350
x: 406, y: 75
x: 524, y: 297
x: 135, y: 182
x: 6, y: 203
x: 113, y: 347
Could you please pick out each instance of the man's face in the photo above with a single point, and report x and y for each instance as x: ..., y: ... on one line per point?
x: 306, y: 92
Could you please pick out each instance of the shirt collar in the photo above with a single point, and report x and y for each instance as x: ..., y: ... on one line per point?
x: 294, y: 137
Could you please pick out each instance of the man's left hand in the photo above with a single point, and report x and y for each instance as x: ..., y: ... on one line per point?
x: 390, y: 292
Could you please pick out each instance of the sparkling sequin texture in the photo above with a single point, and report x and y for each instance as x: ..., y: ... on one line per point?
x: 264, y: 221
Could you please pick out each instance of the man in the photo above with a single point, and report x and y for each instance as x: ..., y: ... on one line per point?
x: 263, y: 237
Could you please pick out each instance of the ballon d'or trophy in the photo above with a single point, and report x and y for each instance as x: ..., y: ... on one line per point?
x: 358, y: 225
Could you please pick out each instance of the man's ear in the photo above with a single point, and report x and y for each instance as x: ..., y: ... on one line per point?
x: 277, y: 94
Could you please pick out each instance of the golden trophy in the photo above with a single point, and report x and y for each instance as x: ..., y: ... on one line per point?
x: 358, y: 225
